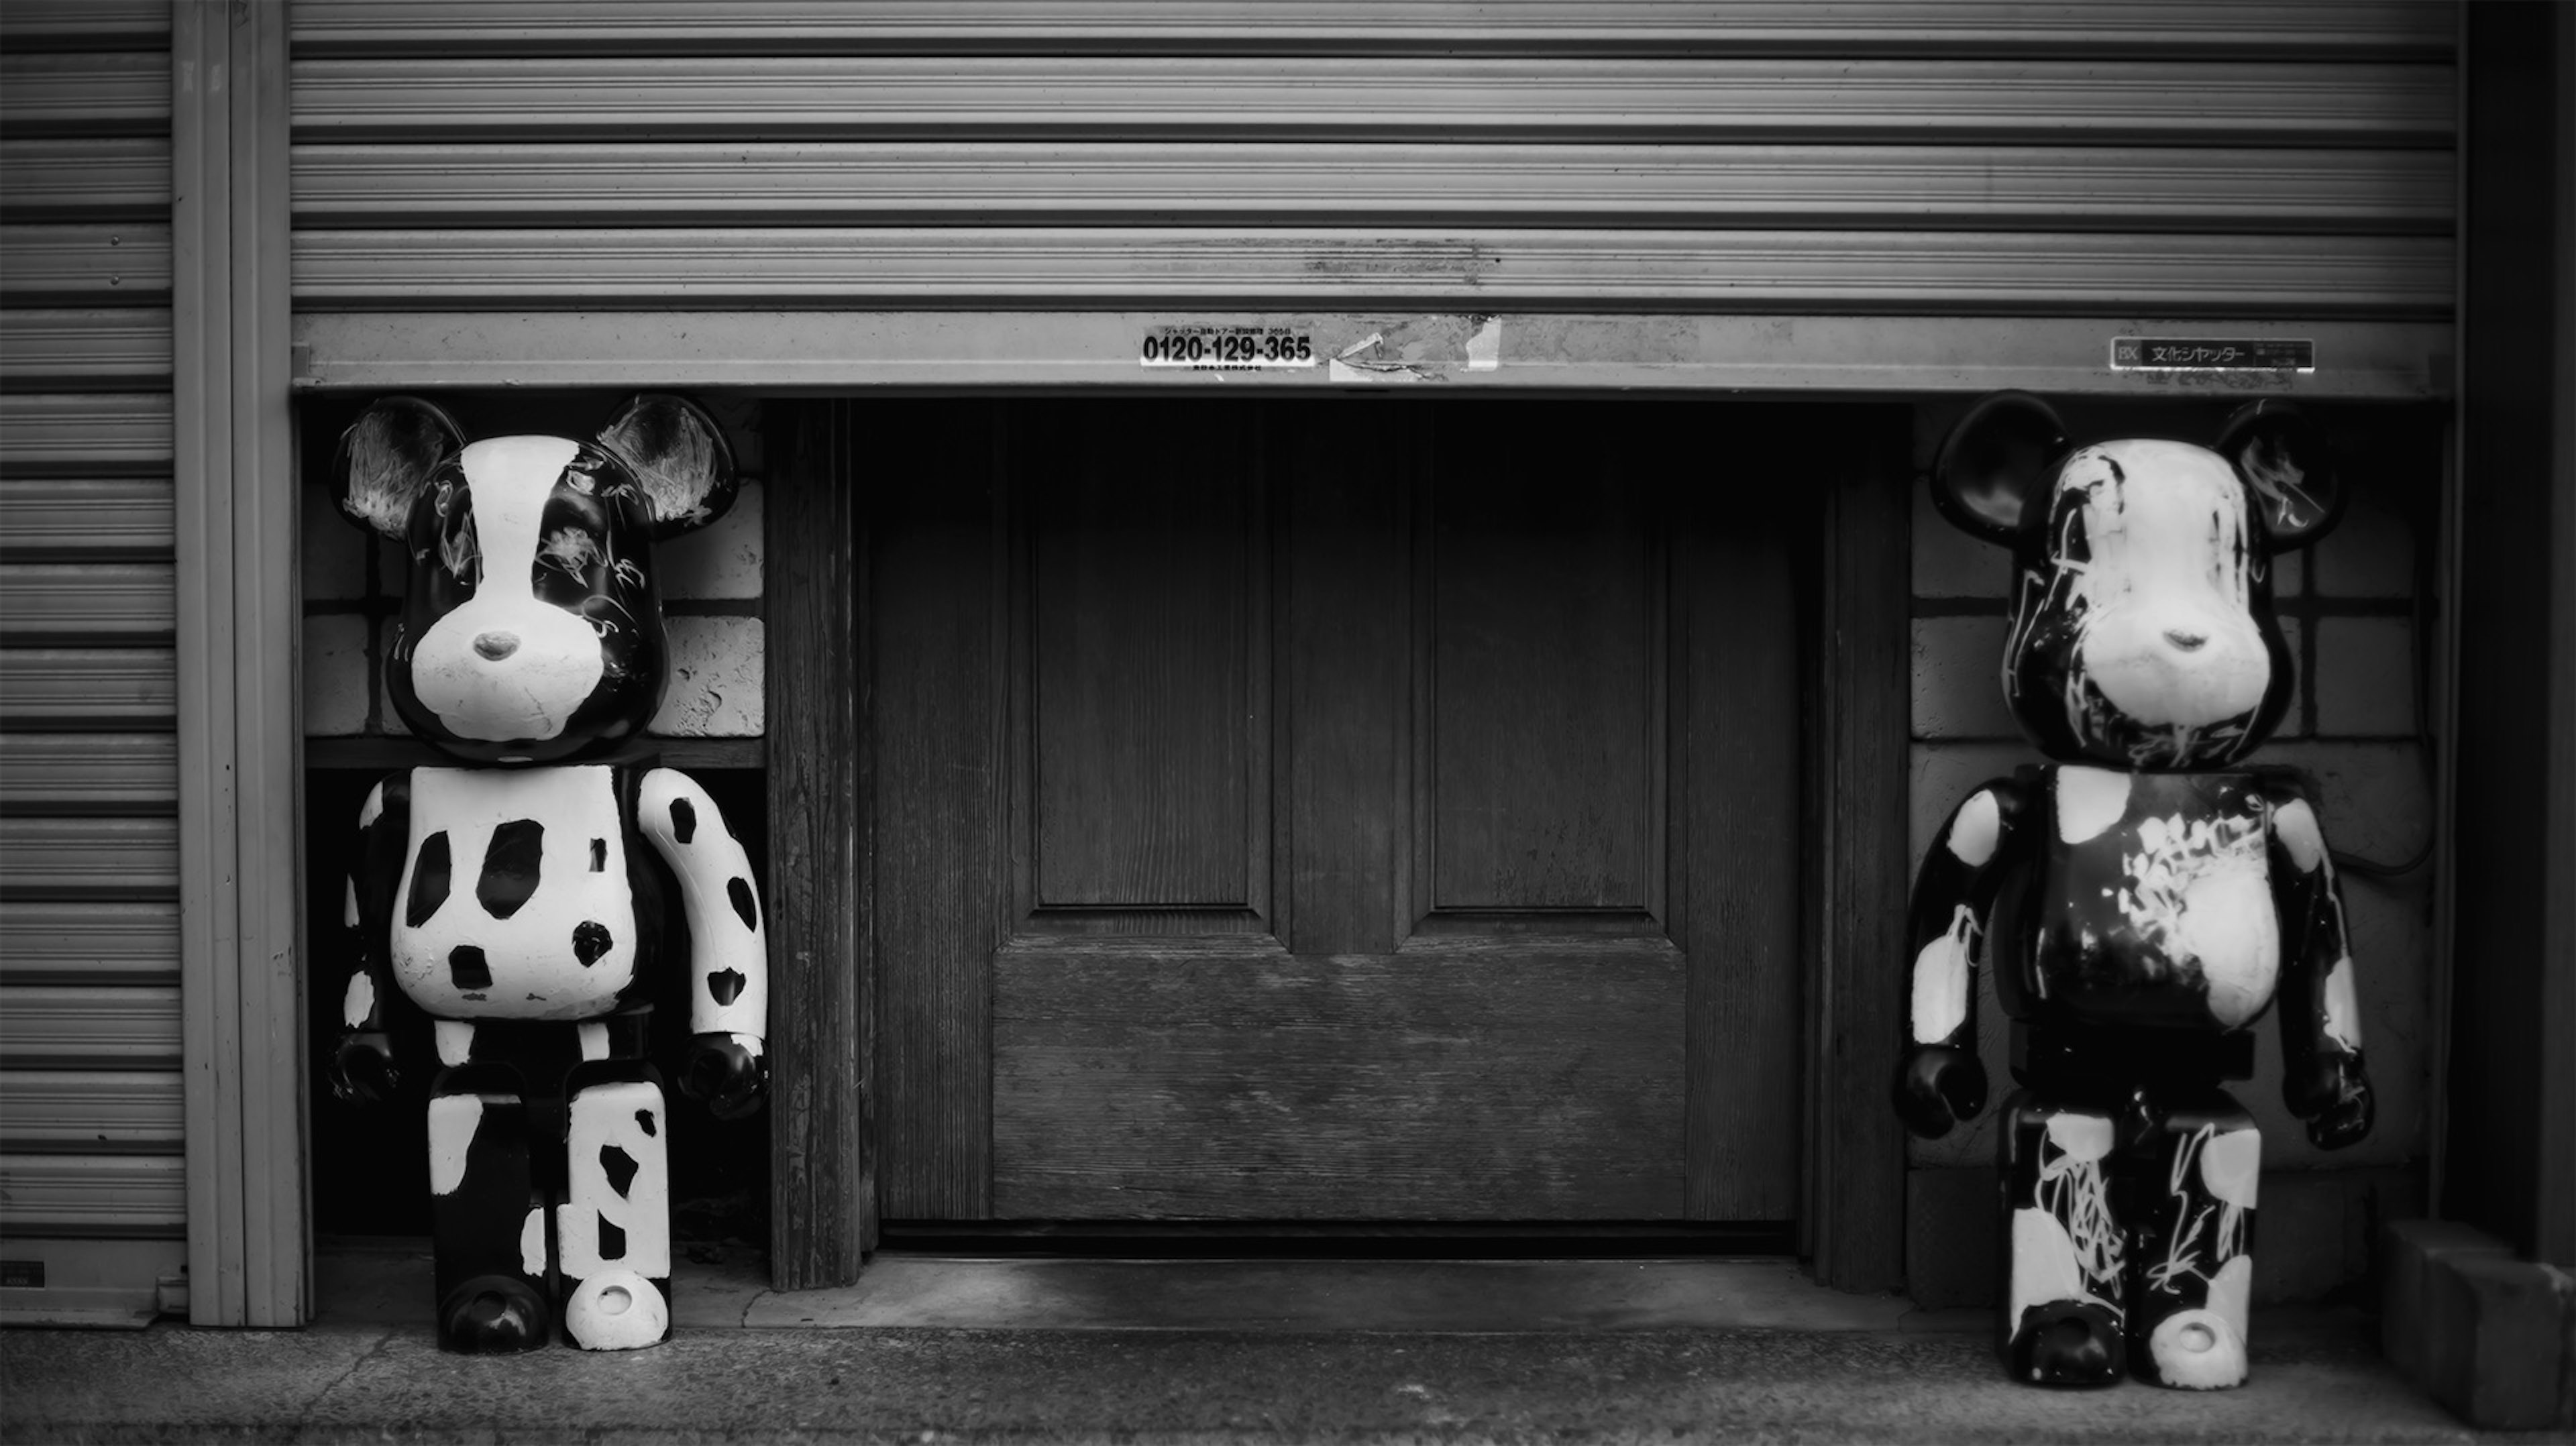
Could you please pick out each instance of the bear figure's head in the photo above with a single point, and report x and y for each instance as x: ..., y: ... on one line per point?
x: 2142, y: 630
x: 531, y: 628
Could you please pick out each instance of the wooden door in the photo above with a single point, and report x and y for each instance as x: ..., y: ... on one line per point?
x: 1333, y: 810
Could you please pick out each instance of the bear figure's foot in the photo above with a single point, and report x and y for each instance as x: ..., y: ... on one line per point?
x: 2067, y: 1343
x: 493, y: 1315
x: 2194, y: 1350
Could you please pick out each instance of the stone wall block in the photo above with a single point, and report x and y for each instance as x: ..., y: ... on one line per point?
x: 719, y: 561
x: 2365, y: 682
x: 1958, y: 686
x: 718, y: 679
x: 335, y: 675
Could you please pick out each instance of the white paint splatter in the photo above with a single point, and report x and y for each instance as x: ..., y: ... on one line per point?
x: 453, y: 1119
x: 2343, y: 1008
x: 2295, y: 825
x: 1976, y: 829
x: 2199, y: 891
x: 359, y: 1002
x: 2231, y: 1166
x: 455, y: 1040
x: 349, y: 916
x: 532, y: 1241
x: 372, y: 809
x: 594, y: 1039
x: 2083, y: 1138
x: 2089, y: 801
x: 1943, y: 975
x: 607, y: 1116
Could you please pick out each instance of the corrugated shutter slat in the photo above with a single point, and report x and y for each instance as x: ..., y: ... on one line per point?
x: 1201, y: 99
x: 62, y: 859
x: 89, y: 944
x: 76, y: 774
x: 120, y: 348
x: 73, y: 604
x: 71, y: 1027
x: 119, y: 688
x: 85, y: 180
x: 50, y: 519
x: 1877, y: 272
x: 85, y: 436
x: 84, y: 94
x: 94, y: 1196
x: 78, y: 265
x: 2221, y: 28
x: 900, y: 183
x: 70, y: 1111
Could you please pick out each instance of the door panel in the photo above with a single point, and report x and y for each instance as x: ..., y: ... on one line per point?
x: 1340, y: 765
x: 1448, y: 1082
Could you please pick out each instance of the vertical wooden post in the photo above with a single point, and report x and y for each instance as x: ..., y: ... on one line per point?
x: 1855, y: 1214
x: 823, y: 1216
x: 241, y: 1001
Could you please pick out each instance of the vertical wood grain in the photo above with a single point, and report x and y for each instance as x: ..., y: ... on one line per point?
x: 1542, y: 671
x: 823, y: 1186
x: 938, y: 645
x: 1736, y: 697
x: 1347, y: 478
x: 1860, y: 732
x: 1149, y: 657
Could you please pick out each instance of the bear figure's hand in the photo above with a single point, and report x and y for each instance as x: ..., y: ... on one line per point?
x: 728, y: 1072
x: 2332, y: 1093
x: 362, y: 1068
x: 1938, y: 1086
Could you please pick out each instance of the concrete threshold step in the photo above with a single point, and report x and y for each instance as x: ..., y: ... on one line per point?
x: 720, y: 1288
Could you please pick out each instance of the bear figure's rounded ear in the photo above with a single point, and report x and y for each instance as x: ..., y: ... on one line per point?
x: 2004, y: 451
x: 386, y: 457
x: 2284, y: 460
x: 678, y: 455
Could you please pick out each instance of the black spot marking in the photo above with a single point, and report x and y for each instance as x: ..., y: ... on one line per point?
x: 738, y: 889
x: 726, y: 985
x: 428, y: 880
x: 644, y: 1122
x: 512, y: 866
x: 599, y: 856
x: 684, y: 820
x: 467, y: 966
x: 618, y: 1166
x: 612, y: 1241
x: 589, y: 941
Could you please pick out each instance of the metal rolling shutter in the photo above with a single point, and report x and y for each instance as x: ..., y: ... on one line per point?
x: 92, y: 1189
x: 2285, y: 160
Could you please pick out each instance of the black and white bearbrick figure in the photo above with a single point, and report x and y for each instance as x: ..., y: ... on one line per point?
x: 511, y: 896
x: 2144, y: 897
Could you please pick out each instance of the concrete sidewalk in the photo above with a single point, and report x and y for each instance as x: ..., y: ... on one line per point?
x: 1634, y: 1351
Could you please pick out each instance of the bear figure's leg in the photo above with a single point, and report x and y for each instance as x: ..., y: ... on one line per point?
x: 2062, y: 1254
x: 2196, y: 1171
x: 614, y: 1226
x: 487, y: 1218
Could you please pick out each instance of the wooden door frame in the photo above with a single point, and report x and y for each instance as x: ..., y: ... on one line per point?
x: 824, y: 1215
x: 240, y: 789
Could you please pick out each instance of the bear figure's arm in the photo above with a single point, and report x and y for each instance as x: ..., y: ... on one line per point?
x: 362, y: 1067
x: 1940, y: 1080
x: 2323, y: 1081
x: 729, y: 967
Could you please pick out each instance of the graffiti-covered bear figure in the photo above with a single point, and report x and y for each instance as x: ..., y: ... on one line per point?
x: 518, y: 897
x: 2144, y: 897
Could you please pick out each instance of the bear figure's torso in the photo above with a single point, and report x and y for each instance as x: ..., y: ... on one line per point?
x: 515, y: 901
x: 2145, y: 900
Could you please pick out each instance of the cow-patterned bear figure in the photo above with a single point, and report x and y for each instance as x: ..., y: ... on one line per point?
x: 512, y: 901
x: 2143, y: 898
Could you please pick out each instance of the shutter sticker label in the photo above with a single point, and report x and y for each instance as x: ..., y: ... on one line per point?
x: 1227, y: 348
x: 2212, y: 354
